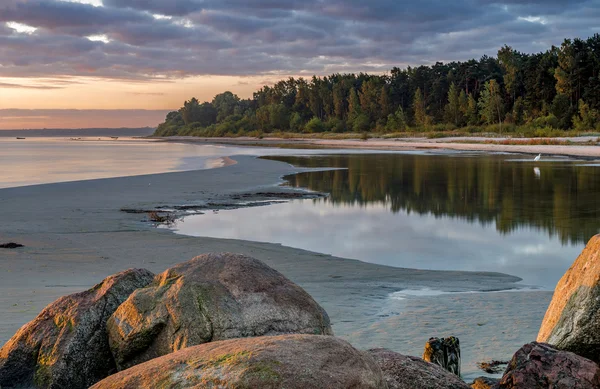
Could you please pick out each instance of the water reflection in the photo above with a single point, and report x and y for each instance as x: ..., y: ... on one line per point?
x: 558, y: 197
x: 439, y: 212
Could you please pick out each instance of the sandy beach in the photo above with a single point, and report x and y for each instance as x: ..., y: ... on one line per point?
x: 75, y: 235
x: 578, y: 148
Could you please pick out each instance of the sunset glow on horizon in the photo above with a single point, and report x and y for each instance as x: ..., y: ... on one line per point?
x: 127, y: 54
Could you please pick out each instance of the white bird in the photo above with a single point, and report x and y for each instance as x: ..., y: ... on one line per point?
x: 538, y: 157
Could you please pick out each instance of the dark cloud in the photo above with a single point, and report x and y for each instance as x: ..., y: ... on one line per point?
x: 69, y: 17
x: 270, y: 37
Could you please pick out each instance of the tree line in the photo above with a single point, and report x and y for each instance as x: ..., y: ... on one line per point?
x: 558, y: 89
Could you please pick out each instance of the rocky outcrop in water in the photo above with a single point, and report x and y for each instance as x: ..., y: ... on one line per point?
x: 540, y: 366
x: 572, y: 321
x: 444, y: 352
x: 66, y: 345
x: 268, y: 362
x: 210, y: 298
x: 406, y: 372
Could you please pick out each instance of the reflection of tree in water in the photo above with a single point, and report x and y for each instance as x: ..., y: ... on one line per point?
x: 561, y: 199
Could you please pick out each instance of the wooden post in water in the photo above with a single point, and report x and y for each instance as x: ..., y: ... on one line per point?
x: 444, y: 352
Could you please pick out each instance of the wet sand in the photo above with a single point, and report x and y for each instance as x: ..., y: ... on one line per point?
x: 577, y: 149
x: 75, y: 235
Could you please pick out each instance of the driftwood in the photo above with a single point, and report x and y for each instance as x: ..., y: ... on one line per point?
x: 444, y: 352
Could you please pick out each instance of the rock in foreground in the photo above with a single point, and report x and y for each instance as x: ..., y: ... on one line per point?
x: 405, y: 372
x: 212, y: 297
x: 572, y: 321
x: 286, y: 361
x: 540, y: 366
x: 66, y: 345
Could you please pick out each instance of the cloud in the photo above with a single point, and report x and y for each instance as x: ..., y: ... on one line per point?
x: 270, y: 37
x: 74, y: 118
x: 25, y: 86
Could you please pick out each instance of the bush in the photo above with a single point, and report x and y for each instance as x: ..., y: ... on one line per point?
x: 296, y: 122
x: 315, y: 125
x: 546, y: 121
x: 336, y: 125
x: 361, y: 123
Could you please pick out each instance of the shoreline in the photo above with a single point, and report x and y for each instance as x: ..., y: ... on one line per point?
x: 405, y: 144
x: 75, y: 234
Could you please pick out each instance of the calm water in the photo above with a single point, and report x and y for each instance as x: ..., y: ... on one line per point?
x: 46, y: 160
x: 446, y: 212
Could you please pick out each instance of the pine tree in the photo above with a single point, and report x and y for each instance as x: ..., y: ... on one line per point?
x: 564, y: 73
x: 421, y: 118
x: 463, y: 103
x: 452, y: 109
x: 490, y: 103
x: 354, y: 109
x: 509, y: 60
x: 385, y: 105
x: 471, y: 112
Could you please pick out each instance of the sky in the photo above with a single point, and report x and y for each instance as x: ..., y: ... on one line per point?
x: 69, y: 58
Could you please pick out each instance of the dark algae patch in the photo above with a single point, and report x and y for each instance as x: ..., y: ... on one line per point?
x: 10, y: 245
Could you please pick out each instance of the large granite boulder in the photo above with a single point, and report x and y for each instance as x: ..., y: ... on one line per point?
x: 572, y: 321
x: 405, y: 372
x: 540, y: 366
x: 268, y: 362
x: 212, y: 297
x: 66, y: 345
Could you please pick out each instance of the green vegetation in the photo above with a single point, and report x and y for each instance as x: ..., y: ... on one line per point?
x: 517, y: 93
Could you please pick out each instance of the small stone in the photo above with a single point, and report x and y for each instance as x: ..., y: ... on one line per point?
x: 493, y: 367
x: 484, y: 383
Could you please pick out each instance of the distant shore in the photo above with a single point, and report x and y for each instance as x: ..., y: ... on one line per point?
x: 75, y: 234
x: 579, y: 146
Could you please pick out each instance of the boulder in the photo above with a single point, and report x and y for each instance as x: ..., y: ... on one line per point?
x: 212, y: 297
x: 444, y: 352
x: 484, y: 383
x: 572, y: 321
x: 285, y: 361
x: 405, y: 372
x: 540, y: 366
x: 66, y: 345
